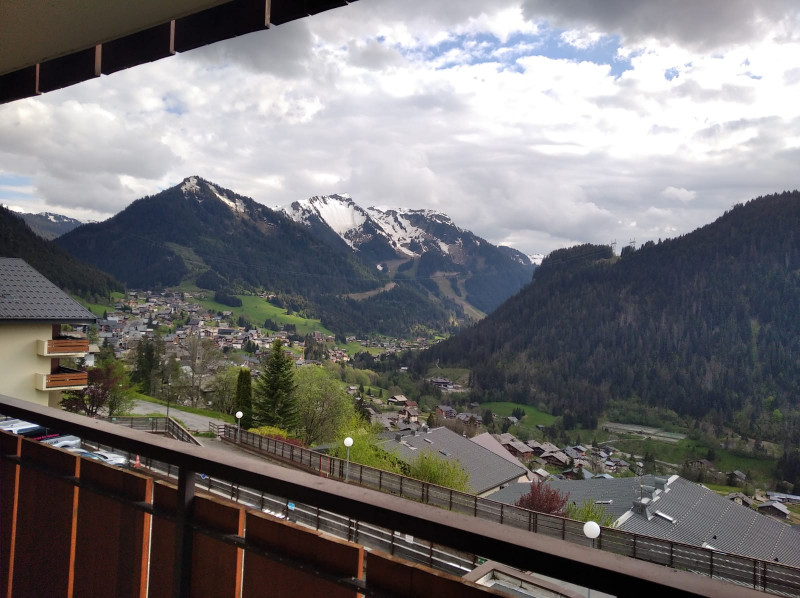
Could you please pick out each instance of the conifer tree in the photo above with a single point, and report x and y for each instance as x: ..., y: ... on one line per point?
x: 274, y: 403
x: 244, y: 397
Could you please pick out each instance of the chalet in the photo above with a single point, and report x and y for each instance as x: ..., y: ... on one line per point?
x: 556, y: 458
x: 409, y: 414
x: 446, y: 412
x: 741, y: 499
x: 775, y: 509
x: 677, y: 510
x: 487, y: 471
x: 442, y: 383
x: 514, y: 446
x: 703, y: 464
x: 737, y: 475
x: 470, y: 419
x: 512, y: 420
x: 540, y: 448
x: 32, y: 310
x: 399, y: 400
x: 577, y: 473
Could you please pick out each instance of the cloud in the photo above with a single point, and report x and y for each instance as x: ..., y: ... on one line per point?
x: 461, y: 106
x: 679, y: 194
x: 701, y: 26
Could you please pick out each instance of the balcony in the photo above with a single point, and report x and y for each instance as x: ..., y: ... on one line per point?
x: 98, y: 530
x: 62, y: 379
x: 62, y: 347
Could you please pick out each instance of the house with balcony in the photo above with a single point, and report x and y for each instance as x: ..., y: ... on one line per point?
x: 32, y: 311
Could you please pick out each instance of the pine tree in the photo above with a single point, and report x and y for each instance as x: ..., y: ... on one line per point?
x: 274, y: 403
x: 244, y: 397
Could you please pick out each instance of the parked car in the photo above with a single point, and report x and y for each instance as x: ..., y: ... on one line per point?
x: 112, y: 458
x: 61, y: 441
x: 84, y: 453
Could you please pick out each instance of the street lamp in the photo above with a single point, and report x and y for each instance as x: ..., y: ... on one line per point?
x: 239, y: 416
x: 591, y: 530
x: 348, y: 442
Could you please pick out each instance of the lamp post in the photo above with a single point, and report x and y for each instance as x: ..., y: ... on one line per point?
x: 239, y: 415
x: 348, y: 442
x: 591, y: 530
x: 169, y: 395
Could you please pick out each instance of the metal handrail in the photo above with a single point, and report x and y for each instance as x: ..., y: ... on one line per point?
x: 760, y: 574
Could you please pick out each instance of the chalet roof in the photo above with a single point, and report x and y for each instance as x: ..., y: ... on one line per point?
x: 486, y: 470
x: 694, y: 515
x: 27, y: 296
x: 489, y: 442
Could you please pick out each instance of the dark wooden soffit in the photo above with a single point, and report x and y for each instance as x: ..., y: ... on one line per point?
x: 226, y: 21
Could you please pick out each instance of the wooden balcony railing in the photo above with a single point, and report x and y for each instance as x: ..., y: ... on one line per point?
x: 65, y: 378
x: 67, y: 345
x: 198, y: 545
x: 63, y: 347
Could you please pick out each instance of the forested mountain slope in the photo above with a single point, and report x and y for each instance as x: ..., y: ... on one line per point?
x: 200, y: 234
x: 704, y: 324
x: 70, y: 274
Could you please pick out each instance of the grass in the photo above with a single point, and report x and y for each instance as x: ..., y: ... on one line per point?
x: 533, y: 417
x: 196, y: 410
x: 353, y: 348
x: 721, y: 489
x: 257, y: 310
x: 98, y: 308
x: 457, y: 375
x: 759, y: 468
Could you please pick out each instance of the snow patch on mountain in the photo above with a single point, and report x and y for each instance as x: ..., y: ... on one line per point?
x: 536, y: 258
x: 190, y: 185
x: 237, y: 205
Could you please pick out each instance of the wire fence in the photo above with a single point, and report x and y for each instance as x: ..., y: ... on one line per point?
x: 766, y: 576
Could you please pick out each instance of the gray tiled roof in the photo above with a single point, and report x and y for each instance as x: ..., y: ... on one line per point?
x: 486, y: 470
x: 700, y: 516
x: 26, y: 295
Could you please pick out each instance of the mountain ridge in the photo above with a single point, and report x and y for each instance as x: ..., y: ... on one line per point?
x: 703, y: 325
x: 201, y: 234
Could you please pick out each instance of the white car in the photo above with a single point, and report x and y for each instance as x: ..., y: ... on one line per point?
x: 104, y: 456
x: 112, y: 458
x: 63, y: 441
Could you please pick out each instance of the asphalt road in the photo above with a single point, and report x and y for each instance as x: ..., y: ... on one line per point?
x: 191, y: 420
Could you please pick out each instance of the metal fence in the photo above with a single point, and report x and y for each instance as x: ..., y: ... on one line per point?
x: 155, y: 425
x: 766, y: 576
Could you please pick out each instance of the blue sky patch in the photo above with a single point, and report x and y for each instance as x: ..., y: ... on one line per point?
x: 484, y: 47
x: 8, y: 182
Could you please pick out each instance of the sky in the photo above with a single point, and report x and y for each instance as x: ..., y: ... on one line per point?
x: 538, y: 124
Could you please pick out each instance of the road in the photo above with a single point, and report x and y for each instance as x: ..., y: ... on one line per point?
x: 191, y: 420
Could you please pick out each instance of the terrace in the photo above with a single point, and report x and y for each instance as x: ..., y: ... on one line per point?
x: 155, y: 538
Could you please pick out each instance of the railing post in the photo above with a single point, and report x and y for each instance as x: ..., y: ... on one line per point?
x: 380, y: 486
x: 401, y: 485
x: 711, y: 565
x: 182, y: 572
x: 563, y: 529
x: 450, y: 506
x: 501, y: 513
x: 476, y: 506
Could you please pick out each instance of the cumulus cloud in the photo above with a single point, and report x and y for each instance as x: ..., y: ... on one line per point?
x: 702, y: 26
x: 461, y: 106
x: 679, y: 194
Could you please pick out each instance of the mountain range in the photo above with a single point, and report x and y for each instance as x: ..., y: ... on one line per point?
x: 706, y: 325
x: 49, y: 225
x: 18, y: 240
x: 395, y: 271
x: 424, y: 244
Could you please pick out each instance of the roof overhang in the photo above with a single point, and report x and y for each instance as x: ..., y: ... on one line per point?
x: 46, y: 45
